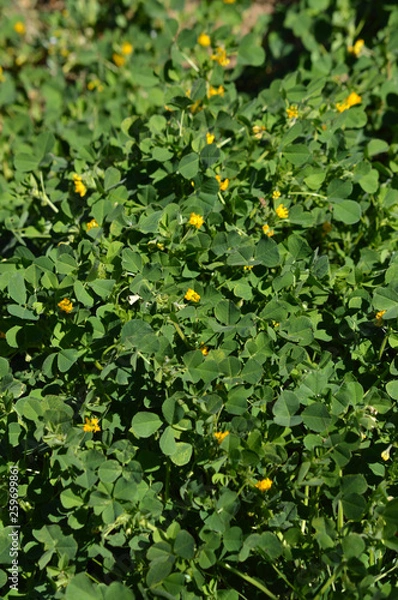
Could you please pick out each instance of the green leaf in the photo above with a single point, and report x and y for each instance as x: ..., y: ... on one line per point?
x: 112, y: 178
x: 316, y: 417
x: 145, y: 424
x: 140, y: 335
x: 227, y: 313
x: 285, y: 408
x: 184, y: 545
x: 392, y: 389
x: 210, y: 155
x: 377, y: 146
x: 354, y: 506
x: 338, y: 189
x: 297, y: 154
x: 300, y: 330
x: 82, y: 295
x: 182, y: 455
x: 102, y: 287
x: 16, y: 288
x: 119, y: 591
x: 81, y: 587
x: 250, y: 52
x: 109, y: 471
x: 167, y: 442
x: 189, y: 165
x: 26, y: 162
x: 267, y: 253
x: 347, y: 211
x: 353, y: 545
x: 66, y: 359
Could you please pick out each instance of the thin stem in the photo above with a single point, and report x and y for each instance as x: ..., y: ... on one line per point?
x: 308, y: 194
x: 45, y: 197
x: 250, y: 580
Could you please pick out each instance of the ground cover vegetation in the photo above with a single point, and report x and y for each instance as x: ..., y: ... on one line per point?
x: 199, y: 299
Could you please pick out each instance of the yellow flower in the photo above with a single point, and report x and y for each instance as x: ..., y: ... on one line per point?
x: 210, y: 137
x: 229, y: 1
x: 204, y: 40
x: 292, y: 112
x: 80, y: 188
x: 91, y: 425
x: 356, y: 49
x: 213, y: 91
x: 93, y: 223
x: 264, y: 485
x: 118, y: 59
x: 192, y: 295
x: 248, y: 267
x: 204, y: 349
x: 379, y: 317
x: 65, y: 305
x: 221, y: 435
x: 385, y: 455
x: 221, y: 57
x: 127, y: 48
x: 258, y: 131
x: 20, y: 28
x: 2, y: 78
x: 196, y: 107
x: 95, y: 84
x: 196, y: 220
x: 351, y: 100
x: 276, y: 194
x: 223, y: 183
x: 282, y: 211
x: 267, y: 230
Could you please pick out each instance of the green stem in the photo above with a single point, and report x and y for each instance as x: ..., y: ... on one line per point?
x: 307, y: 194
x: 45, y: 197
x: 250, y: 580
x: 326, y: 586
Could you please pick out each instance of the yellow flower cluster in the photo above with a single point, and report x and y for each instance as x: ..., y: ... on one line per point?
x: 204, y: 349
x: 65, y: 305
x: 258, y: 131
x: 356, y: 49
x: 292, y: 112
x: 264, y: 485
x: 351, y: 100
x: 276, y: 194
x: 95, y: 84
x: 210, y: 137
x: 213, y: 91
x: 267, y: 230
x: 20, y: 28
x: 379, y: 317
x: 221, y: 57
x: 204, y: 40
x: 229, y: 1
x: 80, y: 188
x: 196, y: 220
x: 221, y: 435
x: 91, y: 425
x: 118, y: 59
x: 91, y: 224
x: 192, y: 295
x: 385, y: 455
x: 282, y: 211
x: 248, y: 267
x: 127, y: 48
x: 223, y: 183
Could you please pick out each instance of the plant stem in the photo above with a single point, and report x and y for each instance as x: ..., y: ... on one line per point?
x: 250, y: 580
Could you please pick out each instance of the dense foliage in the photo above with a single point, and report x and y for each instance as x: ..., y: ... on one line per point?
x: 199, y: 299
